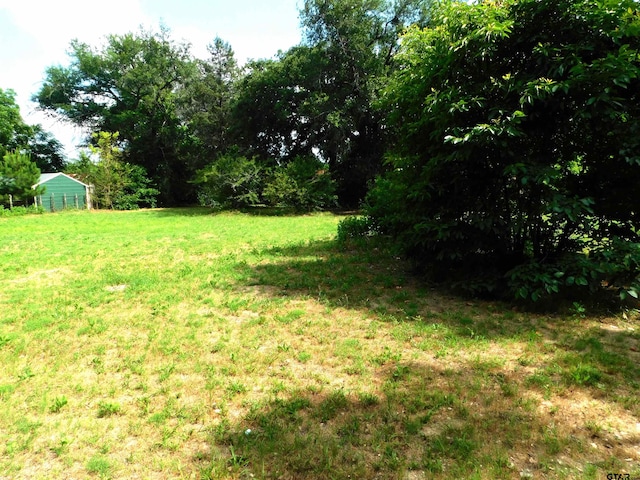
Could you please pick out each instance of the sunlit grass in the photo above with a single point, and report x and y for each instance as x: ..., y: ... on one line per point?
x: 182, y: 344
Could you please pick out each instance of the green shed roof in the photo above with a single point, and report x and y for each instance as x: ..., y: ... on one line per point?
x: 45, y: 177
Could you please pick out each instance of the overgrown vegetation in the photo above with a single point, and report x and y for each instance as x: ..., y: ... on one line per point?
x: 116, y: 184
x: 516, y: 147
x: 232, y: 181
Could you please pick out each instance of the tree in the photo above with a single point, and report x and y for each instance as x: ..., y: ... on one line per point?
x: 304, y: 184
x: 358, y: 40
x: 318, y: 97
x: 232, y: 181
x: 278, y: 104
x: 117, y: 185
x: 14, y: 133
x: 129, y: 86
x: 516, y: 145
x: 18, y: 175
x: 205, y: 102
x: 46, y: 151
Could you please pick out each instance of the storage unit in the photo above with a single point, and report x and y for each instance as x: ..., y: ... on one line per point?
x: 63, y: 191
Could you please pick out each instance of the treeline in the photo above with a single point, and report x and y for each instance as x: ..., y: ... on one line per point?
x: 179, y: 117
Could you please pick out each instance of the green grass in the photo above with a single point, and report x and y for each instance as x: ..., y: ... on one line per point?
x: 183, y: 344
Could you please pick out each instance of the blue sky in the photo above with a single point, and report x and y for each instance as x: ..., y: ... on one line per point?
x: 36, y: 34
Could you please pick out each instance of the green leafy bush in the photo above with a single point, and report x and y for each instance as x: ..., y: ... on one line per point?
x: 232, y: 181
x: 18, y: 174
x: 355, y: 227
x: 136, y: 191
x: 117, y: 184
x: 303, y: 184
x: 20, y: 211
x: 516, y: 156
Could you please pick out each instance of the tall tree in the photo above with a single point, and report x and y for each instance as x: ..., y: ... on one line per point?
x: 280, y: 105
x: 116, y: 184
x: 358, y: 40
x: 14, y: 133
x: 205, y: 102
x: 129, y: 86
x: 319, y: 97
x: 46, y: 151
x: 19, y: 174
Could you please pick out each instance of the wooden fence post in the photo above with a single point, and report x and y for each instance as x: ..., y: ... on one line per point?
x: 64, y: 201
x: 75, y: 201
x: 11, y: 201
x: 52, y: 203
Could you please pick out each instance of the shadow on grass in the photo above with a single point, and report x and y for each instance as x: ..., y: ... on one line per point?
x: 374, y: 279
x: 459, y: 419
x: 180, y: 212
x: 429, y: 422
x: 258, y: 211
x: 419, y: 424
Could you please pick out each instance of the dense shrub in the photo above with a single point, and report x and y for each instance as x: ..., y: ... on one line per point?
x: 18, y: 174
x: 303, y: 184
x: 234, y: 181
x: 517, y: 146
x: 354, y: 228
x: 20, y: 211
x: 231, y: 182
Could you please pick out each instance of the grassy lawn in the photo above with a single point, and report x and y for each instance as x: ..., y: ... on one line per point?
x: 179, y: 344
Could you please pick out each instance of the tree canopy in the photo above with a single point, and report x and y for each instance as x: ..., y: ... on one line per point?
x: 15, y: 134
x: 129, y: 86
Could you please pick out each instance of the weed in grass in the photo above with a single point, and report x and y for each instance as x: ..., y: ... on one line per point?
x: 57, y: 404
x: 26, y: 373
x: 386, y: 356
x: 94, y: 326
x: 552, y: 442
x: 509, y: 388
x: 304, y: 357
x: 165, y: 372
x: 349, y: 348
x: 5, y: 339
x: 99, y: 465
x: 6, y: 391
x: 290, y: 316
x: 357, y: 367
x: 26, y: 426
x: 584, y: 374
x: 61, y: 447
x: 368, y: 399
x: 108, y: 409
x: 399, y: 373
x: 98, y: 364
x: 236, y: 388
